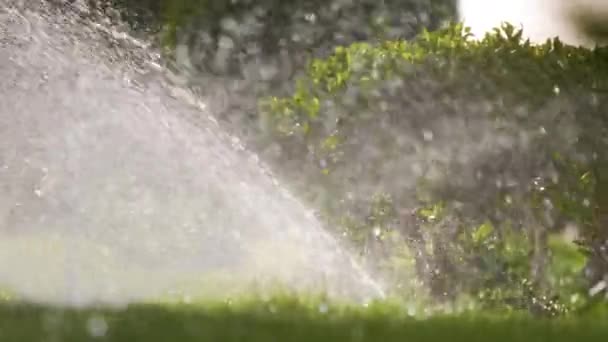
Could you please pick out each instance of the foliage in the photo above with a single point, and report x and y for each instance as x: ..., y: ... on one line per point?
x: 507, y: 136
x: 266, y: 28
x: 459, y: 161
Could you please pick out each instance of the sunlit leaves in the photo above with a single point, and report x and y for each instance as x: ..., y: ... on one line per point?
x: 481, y: 233
x: 518, y: 74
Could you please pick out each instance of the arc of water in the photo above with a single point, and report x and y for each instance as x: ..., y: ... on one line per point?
x: 149, y: 60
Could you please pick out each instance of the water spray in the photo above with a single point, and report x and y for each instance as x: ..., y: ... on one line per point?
x: 129, y: 176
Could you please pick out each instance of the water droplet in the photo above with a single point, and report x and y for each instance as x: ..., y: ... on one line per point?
x: 377, y: 231
x: 97, y: 326
x: 268, y: 72
x: 599, y: 287
x: 427, y: 135
x: 556, y: 90
x: 383, y: 106
x: 311, y: 17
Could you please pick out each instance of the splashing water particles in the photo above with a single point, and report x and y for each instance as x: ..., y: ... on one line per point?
x: 111, y: 194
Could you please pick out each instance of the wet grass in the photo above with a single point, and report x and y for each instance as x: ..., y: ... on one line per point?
x: 284, y: 319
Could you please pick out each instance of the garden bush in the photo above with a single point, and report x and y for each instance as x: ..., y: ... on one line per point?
x: 232, y: 52
x: 468, y: 158
x: 220, y: 34
x: 461, y: 164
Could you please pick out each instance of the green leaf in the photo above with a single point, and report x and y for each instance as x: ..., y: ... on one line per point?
x: 482, y: 233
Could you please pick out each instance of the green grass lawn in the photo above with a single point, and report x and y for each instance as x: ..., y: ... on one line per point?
x: 287, y: 317
x: 284, y: 319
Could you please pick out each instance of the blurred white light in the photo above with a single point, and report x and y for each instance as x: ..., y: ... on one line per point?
x: 540, y: 19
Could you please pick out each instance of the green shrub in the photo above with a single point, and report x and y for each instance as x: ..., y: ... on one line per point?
x: 454, y: 160
x: 508, y: 138
x: 266, y: 28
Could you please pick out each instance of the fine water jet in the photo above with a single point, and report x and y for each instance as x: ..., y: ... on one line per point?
x: 117, y: 186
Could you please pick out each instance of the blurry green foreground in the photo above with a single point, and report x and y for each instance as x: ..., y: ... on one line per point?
x: 285, y: 319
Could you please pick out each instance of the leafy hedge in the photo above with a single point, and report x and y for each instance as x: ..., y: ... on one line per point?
x: 464, y: 156
x: 252, y: 48
x: 445, y: 160
x: 254, y: 28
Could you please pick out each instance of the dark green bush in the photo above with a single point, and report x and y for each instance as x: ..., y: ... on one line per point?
x: 264, y: 28
x: 483, y: 150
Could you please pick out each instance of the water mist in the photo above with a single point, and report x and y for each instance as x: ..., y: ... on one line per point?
x: 117, y: 186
